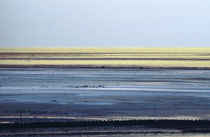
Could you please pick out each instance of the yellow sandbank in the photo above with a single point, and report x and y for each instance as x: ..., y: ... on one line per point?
x: 140, y: 57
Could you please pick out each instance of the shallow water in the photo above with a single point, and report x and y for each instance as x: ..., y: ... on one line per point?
x: 130, y: 90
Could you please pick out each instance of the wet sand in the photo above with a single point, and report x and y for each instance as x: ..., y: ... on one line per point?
x: 86, y: 94
x: 105, y: 92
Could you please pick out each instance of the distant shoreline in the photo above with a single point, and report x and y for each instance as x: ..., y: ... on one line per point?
x: 142, y: 58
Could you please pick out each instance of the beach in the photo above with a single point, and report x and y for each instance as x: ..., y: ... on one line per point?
x: 72, y: 86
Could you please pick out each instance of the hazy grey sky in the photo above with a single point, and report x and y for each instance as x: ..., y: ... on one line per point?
x: 104, y: 23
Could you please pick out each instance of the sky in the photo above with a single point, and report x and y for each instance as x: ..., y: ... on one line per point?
x: 104, y: 23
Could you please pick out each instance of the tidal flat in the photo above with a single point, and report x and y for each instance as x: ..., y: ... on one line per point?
x: 30, y: 95
x: 106, y: 93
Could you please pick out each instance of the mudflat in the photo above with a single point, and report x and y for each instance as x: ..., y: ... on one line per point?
x: 63, y: 93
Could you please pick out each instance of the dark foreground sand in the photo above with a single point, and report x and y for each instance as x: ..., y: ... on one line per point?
x: 108, y: 128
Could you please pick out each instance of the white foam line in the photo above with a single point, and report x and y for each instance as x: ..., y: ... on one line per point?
x: 59, y: 90
x: 106, y: 118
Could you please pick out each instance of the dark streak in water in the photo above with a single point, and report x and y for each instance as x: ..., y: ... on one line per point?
x: 102, y: 66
